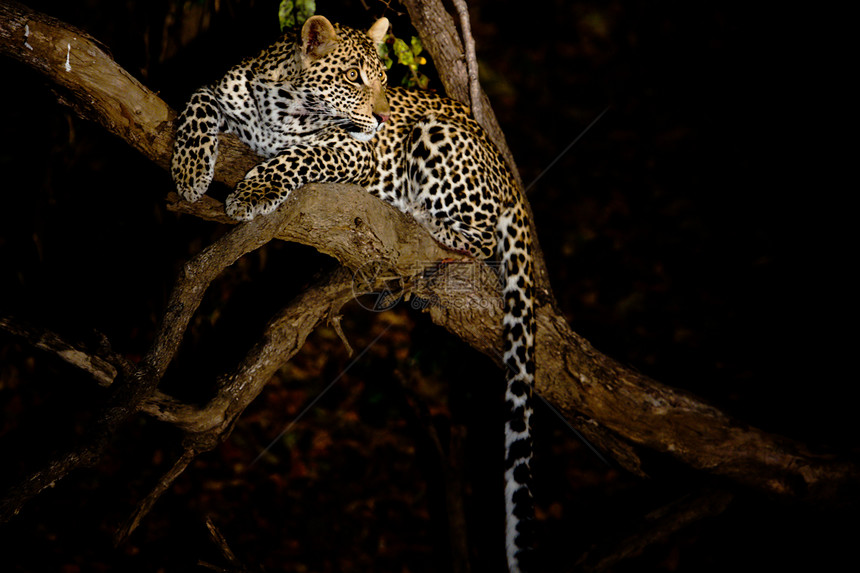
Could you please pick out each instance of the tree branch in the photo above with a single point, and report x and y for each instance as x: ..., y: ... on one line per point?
x: 475, y: 92
x: 352, y: 226
x: 439, y: 35
x: 281, y: 339
x: 656, y: 527
x: 129, y: 393
x: 104, y: 372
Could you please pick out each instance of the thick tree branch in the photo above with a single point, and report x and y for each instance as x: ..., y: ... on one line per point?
x: 355, y: 228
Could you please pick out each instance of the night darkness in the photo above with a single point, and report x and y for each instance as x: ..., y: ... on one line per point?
x: 698, y: 232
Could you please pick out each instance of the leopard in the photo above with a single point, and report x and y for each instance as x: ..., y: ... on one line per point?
x: 317, y: 106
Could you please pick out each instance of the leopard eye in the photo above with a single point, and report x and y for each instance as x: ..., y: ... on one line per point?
x: 352, y: 74
x: 382, y: 76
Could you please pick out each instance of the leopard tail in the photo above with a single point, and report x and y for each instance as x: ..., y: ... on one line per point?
x: 514, y: 254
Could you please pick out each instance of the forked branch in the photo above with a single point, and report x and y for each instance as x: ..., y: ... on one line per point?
x: 614, y: 405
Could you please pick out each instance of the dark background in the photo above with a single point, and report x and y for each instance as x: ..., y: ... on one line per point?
x: 700, y: 232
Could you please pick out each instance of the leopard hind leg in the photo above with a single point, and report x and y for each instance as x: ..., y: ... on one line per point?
x: 447, y: 191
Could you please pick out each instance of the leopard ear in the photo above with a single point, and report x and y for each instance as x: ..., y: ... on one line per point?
x: 318, y: 37
x: 378, y: 30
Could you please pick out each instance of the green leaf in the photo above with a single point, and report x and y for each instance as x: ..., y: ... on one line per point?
x: 402, y: 51
x: 293, y: 13
x: 416, y: 45
x: 406, y: 55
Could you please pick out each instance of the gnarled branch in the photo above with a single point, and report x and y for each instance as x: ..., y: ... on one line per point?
x: 613, y: 404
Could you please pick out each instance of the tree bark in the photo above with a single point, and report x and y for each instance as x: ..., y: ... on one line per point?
x: 615, y: 407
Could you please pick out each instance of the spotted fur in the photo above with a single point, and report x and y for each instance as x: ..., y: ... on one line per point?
x: 316, y: 104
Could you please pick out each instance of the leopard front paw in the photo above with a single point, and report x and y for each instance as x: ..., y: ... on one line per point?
x: 196, y: 147
x: 252, y: 198
x: 193, y: 164
x: 192, y: 177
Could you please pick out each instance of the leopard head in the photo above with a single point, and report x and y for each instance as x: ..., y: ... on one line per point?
x: 343, y: 75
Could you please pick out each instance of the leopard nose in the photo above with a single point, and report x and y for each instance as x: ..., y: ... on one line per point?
x: 381, y: 118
